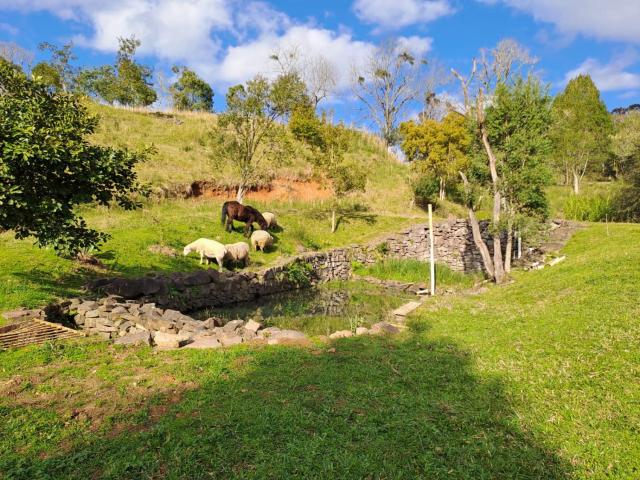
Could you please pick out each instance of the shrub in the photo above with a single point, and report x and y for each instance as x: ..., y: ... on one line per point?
x: 582, y: 208
x: 426, y: 190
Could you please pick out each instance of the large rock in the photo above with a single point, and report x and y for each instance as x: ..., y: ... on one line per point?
x: 383, y: 327
x: 140, y: 338
x: 168, y: 340
x: 285, y: 336
x: 227, y: 339
x: 232, y: 325
x: 204, y: 342
x: 362, y: 331
x: 200, y: 277
x: 341, y: 334
x: 252, y: 326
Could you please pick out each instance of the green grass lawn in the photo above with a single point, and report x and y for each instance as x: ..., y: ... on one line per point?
x: 533, y: 380
x: 31, y: 277
x: 415, y: 271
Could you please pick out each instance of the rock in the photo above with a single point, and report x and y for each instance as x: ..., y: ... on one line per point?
x: 204, y: 342
x: 252, y: 326
x: 16, y: 315
x: 119, y: 309
x: 362, y: 331
x: 268, y: 332
x: 232, y: 325
x: 383, y: 327
x: 341, y: 334
x: 168, y: 340
x: 140, y: 338
x: 285, y: 335
x: 125, y: 325
x: 155, y: 322
x: 86, y: 306
x: 175, y: 315
x: 92, y: 314
x: 249, y: 335
x: 213, y: 322
x: 200, y: 277
x: 227, y: 339
x: 79, y: 319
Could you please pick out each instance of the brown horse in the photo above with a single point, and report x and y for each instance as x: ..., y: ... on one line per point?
x: 243, y: 213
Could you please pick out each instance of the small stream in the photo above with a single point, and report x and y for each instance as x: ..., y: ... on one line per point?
x: 317, y: 311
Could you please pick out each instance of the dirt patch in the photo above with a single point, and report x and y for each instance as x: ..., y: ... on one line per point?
x: 280, y: 189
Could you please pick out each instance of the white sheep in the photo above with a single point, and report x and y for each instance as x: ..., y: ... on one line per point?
x: 261, y: 239
x: 207, y: 249
x: 237, y: 252
x: 271, y: 219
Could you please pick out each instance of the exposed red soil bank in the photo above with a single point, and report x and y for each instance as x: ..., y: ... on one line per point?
x: 279, y: 189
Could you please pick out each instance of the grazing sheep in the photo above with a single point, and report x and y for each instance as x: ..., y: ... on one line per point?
x: 237, y: 252
x: 261, y: 239
x: 207, y: 249
x: 271, y: 219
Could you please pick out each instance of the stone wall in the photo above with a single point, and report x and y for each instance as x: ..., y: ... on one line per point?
x: 192, y: 291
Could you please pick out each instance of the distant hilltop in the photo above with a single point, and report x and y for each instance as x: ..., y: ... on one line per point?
x: 622, y: 110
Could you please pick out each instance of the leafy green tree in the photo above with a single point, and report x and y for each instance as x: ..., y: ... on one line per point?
x: 437, y: 148
x: 518, y: 124
x: 249, y: 125
x: 58, y: 73
x: 48, y: 167
x: 625, y: 143
x: 127, y: 83
x: 329, y: 144
x: 581, y: 129
x: 190, y: 92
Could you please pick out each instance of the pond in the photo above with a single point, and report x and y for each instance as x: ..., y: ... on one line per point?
x: 318, y: 311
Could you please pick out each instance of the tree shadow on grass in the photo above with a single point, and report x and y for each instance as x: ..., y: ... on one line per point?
x: 373, y: 408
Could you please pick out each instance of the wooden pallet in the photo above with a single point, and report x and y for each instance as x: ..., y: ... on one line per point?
x: 33, y: 331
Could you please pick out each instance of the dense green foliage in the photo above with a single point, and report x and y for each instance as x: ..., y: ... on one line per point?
x: 437, y: 149
x: 190, y: 92
x: 506, y: 384
x: 581, y: 130
x: 518, y: 125
x: 125, y: 83
x: 57, y: 73
x: 48, y: 167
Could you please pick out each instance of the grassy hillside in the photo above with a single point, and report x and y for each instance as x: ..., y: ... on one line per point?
x: 184, y: 153
x: 533, y: 380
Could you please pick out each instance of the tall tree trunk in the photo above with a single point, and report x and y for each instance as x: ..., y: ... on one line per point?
x: 498, y: 265
x: 333, y: 220
x: 442, y: 194
x: 576, y: 182
x: 477, y: 236
x: 240, y: 195
x: 508, y: 251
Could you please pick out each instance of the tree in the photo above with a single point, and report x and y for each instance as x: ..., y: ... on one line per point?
x: 489, y: 75
x: 127, y: 83
x: 15, y: 54
x: 250, y: 124
x: 58, y: 73
x: 582, y: 128
x: 48, y: 167
x: 190, y: 92
x: 316, y: 71
x: 625, y: 143
x: 329, y: 144
x: 387, y: 83
x: 438, y: 148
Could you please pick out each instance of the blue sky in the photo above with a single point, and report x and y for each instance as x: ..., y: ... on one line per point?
x: 228, y: 41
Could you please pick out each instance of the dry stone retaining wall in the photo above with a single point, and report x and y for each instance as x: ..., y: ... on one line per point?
x: 188, y: 292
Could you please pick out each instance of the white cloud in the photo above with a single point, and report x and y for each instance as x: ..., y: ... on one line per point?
x: 610, y: 76
x: 603, y: 19
x: 395, y: 14
x: 10, y: 29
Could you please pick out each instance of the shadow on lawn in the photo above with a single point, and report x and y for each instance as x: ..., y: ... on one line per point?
x: 374, y: 408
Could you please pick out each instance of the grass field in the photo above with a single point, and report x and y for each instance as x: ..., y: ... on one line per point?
x: 31, y: 277
x: 533, y: 380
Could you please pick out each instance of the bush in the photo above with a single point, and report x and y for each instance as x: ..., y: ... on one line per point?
x: 597, y: 208
x: 426, y: 190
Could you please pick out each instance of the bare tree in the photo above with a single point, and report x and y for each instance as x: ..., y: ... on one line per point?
x: 493, y: 68
x: 316, y: 71
x: 387, y: 83
x: 14, y: 53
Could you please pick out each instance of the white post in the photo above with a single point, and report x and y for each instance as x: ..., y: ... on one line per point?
x: 519, y: 246
x: 432, y: 264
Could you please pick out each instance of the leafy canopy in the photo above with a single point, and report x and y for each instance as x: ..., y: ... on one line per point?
x: 47, y: 167
x: 190, y: 92
x: 126, y: 83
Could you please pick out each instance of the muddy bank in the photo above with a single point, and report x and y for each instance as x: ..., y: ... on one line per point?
x: 279, y: 189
